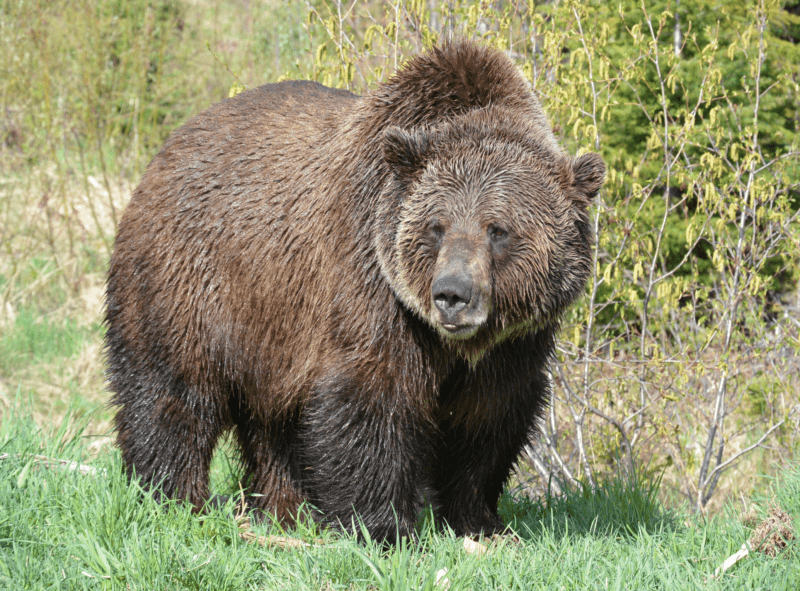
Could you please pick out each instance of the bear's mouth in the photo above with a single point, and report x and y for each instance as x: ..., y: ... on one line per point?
x: 460, y: 330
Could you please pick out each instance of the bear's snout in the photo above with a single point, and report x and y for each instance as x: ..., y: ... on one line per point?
x: 460, y: 288
x: 452, y: 294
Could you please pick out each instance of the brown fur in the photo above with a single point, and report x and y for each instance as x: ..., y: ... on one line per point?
x: 365, y: 288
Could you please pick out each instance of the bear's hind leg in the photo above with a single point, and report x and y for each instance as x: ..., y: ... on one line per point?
x: 167, y: 432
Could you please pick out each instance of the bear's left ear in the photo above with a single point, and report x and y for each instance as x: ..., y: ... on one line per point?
x: 590, y: 172
x: 405, y: 151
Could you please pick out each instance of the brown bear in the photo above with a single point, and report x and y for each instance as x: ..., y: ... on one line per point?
x: 366, y: 289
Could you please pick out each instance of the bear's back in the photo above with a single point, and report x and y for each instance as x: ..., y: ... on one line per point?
x: 227, y: 198
x: 245, y: 135
x: 236, y: 170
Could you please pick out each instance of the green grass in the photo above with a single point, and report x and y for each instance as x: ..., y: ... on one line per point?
x: 54, y: 360
x: 60, y: 529
x: 617, y: 507
x: 34, y: 340
x: 83, y: 108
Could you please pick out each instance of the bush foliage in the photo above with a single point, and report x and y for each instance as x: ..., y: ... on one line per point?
x: 684, y: 352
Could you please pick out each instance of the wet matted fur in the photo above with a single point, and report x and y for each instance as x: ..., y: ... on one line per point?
x: 366, y: 289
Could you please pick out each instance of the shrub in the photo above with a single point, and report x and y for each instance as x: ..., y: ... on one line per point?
x: 695, y: 110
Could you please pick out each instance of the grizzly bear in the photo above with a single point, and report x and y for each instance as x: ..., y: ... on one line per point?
x: 366, y: 289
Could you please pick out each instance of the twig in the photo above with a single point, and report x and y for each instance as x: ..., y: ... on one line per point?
x: 247, y: 534
x: 58, y: 463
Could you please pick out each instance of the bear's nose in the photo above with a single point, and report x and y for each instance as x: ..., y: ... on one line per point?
x: 452, y: 293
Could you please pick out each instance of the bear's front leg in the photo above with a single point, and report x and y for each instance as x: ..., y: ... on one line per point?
x: 365, y: 455
x: 486, y: 416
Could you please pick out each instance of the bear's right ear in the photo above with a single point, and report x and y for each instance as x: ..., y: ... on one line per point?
x: 405, y: 151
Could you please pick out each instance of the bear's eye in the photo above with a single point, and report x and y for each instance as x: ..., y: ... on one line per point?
x: 497, y: 234
x: 436, y: 230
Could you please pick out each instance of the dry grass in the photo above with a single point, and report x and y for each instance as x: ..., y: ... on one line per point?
x: 52, y: 261
x: 773, y: 533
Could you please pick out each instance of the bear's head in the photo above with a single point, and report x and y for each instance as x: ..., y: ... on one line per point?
x: 483, y: 226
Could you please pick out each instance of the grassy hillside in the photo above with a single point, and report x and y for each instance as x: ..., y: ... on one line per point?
x: 683, y: 360
x: 82, y: 526
x: 88, y: 92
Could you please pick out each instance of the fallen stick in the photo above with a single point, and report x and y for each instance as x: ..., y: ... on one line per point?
x: 58, y: 463
x: 273, y: 541
x: 731, y: 560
